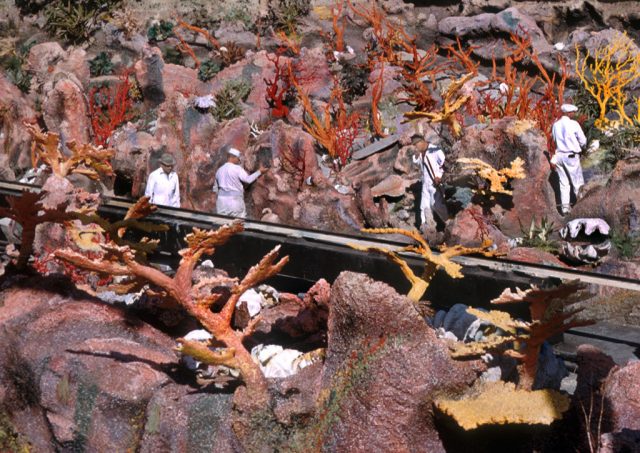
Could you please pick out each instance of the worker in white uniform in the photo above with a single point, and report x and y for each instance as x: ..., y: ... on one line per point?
x: 162, y: 186
x: 569, y: 140
x: 431, y: 160
x: 230, y: 178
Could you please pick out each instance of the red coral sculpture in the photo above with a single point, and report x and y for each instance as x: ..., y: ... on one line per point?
x: 109, y: 107
x: 279, y: 88
x: 337, y: 130
x: 180, y: 288
x: 28, y: 211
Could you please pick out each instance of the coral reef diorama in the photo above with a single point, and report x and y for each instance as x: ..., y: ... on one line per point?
x: 445, y: 144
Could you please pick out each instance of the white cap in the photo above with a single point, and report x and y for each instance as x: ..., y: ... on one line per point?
x: 234, y: 152
x: 568, y: 108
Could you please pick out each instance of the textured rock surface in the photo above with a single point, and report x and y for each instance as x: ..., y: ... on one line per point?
x: 622, y: 392
x: 383, y: 368
x: 15, y: 141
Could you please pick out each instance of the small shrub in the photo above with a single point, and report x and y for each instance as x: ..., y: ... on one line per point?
x: 232, y: 54
x: 229, y: 100
x: 208, y: 69
x: 627, y: 245
x: 618, y: 143
x: 173, y: 56
x: 286, y: 13
x: 160, y: 31
x: 354, y: 78
x: 101, y: 65
x: 539, y: 235
x: 15, y: 66
x: 74, y: 21
x: 239, y: 14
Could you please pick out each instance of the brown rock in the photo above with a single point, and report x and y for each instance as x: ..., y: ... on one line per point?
x: 622, y: 393
x: 65, y: 111
x: 383, y: 368
x: 15, y: 141
x: 470, y: 227
x: 534, y: 256
x: 498, y: 145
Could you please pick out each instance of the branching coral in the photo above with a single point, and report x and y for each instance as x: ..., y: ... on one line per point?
x: 337, y: 130
x: 278, y: 89
x: 29, y: 213
x: 180, y: 288
x: 85, y: 159
x: 551, y: 314
x: 607, y: 73
x: 433, y: 261
x: 109, y: 107
x: 496, y: 178
x: 452, y: 102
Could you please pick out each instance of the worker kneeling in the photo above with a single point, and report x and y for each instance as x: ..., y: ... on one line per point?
x: 229, y: 185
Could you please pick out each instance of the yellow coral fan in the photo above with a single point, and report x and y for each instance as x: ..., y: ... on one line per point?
x: 607, y: 73
x: 499, y: 403
x: 496, y: 178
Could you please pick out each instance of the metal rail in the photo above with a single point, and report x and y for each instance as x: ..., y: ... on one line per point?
x: 283, y: 233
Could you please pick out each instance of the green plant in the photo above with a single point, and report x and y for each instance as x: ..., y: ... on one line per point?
x: 354, y: 78
x: 208, y: 69
x: 286, y: 13
x: 239, y: 13
x: 15, y: 66
x: 173, y: 56
x: 539, y: 235
x: 627, y: 245
x: 618, y: 143
x: 75, y: 20
x: 229, y: 100
x: 101, y: 65
x: 10, y: 440
x: 160, y: 31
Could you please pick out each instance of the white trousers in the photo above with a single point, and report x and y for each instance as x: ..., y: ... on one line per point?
x: 231, y: 205
x: 569, y: 175
x: 426, y: 204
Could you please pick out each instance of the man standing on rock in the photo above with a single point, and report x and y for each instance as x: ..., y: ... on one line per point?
x: 569, y: 140
x: 431, y: 160
x: 229, y: 185
x: 162, y: 185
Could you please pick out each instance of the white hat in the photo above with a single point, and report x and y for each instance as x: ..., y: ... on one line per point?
x: 234, y: 152
x: 568, y: 108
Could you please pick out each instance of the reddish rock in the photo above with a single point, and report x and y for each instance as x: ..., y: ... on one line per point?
x: 15, y: 141
x: 314, y: 74
x: 617, y: 201
x: 79, y: 372
x: 622, y: 394
x: 534, y: 256
x: 133, y: 159
x: 498, y: 145
x: 470, y: 227
x: 43, y: 57
x: 65, y: 111
x: 384, y: 366
x: 197, y: 174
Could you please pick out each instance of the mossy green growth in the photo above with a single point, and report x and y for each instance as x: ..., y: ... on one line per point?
x: 160, y: 31
x: 229, y: 100
x: 10, y: 440
x: 15, y: 64
x: 75, y: 20
x: 173, y: 56
x: 101, y: 65
x: 208, y: 69
x: 627, y: 244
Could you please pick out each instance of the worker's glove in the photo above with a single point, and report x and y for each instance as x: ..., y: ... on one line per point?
x: 594, y: 145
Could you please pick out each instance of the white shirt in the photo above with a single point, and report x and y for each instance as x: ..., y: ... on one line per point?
x: 435, y: 157
x: 229, y: 178
x: 163, y: 188
x: 568, y: 135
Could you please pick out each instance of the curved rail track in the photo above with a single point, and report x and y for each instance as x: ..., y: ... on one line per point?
x: 320, y: 254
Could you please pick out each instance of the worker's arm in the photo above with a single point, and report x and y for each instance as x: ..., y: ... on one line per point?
x: 148, y: 192
x: 175, y: 196
x: 248, y: 178
x: 582, y: 140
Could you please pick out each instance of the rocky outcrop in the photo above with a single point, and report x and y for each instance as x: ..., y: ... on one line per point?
x: 15, y: 141
x: 498, y: 144
x: 65, y: 109
x: 384, y: 366
x: 622, y: 393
